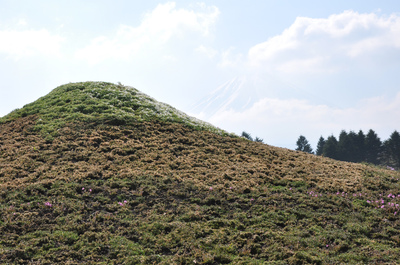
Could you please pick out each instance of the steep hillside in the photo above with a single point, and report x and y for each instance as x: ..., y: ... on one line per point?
x: 128, y: 183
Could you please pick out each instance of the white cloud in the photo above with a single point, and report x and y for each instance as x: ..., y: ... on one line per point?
x: 18, y: 44
x: 278, y: 119
x: 230, y: 59
x: 22, y: 22
x: 207, y: 51
x: 315, y: 45
x: 156, y: 30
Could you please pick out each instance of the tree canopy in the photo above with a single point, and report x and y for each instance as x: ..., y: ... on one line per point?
x: 303, y: 145
x: 358, y: 147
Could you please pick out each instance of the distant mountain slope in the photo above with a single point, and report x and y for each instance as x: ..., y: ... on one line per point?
x: 242, y: 92
x: 153, y: 190
x: 235, y: 94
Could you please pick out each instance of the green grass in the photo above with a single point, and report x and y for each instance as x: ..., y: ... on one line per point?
x: 100, y: 102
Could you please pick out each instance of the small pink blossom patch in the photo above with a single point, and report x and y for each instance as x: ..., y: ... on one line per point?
x: 122, y: 203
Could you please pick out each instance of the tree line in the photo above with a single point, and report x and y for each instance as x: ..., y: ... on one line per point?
x: 357, y: 147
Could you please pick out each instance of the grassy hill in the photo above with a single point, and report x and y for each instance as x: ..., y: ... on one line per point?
x: 97, y: 173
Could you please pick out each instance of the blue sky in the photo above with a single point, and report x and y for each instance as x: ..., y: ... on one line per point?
x: 276, y: 69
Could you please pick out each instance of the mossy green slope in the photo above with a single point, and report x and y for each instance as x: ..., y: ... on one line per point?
x: 101, y: 102
x: 85, y: 181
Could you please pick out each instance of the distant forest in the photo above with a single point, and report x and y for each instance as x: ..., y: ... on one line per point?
x: 357, y: 147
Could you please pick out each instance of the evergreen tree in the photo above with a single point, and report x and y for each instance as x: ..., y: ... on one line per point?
x: 373, y: 146
x: 331, y: 147
x: 392, y: 150
x: 247, y: 135
x: 303, y: 145
x: 343, y: 148
x: 347, y: 146
x: 360, y: 146
x: 352, y: 148
x: 258, y: 140
x: 320, y: 146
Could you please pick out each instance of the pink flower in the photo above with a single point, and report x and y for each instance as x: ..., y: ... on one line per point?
x: 90, y: 190
x: 83, y: 188
x: 395, y: 213
x: 383, y: 206
x: 125, y: 201
x: 368, y: 201
x: 211, y: 188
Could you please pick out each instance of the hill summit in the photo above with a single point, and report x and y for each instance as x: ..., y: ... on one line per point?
x: 98, y: 173
x: 101, y: 102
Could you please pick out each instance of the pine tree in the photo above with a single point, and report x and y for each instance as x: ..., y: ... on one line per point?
x: 247, y: 135
x: 320, y: 146
x: 373, y: 146
x: 360, y: 146
x: 343, y: 148
x: 352, y: 149
x: 303, y: 145
x: 392, y: 150
x: 347, y: 147
x: 258, y: 140
x: 331, y: 147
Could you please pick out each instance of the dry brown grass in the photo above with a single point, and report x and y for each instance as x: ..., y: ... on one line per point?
x: 192, y: 195
x: 165, y: 149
